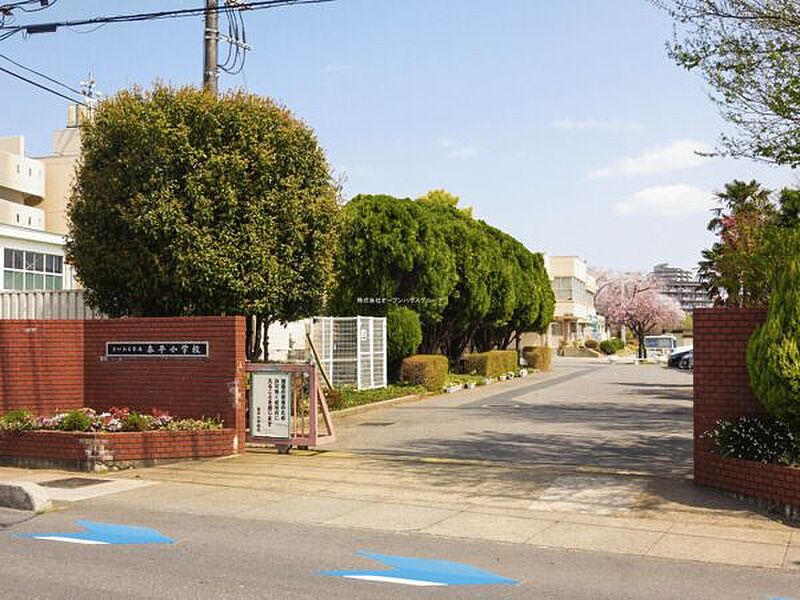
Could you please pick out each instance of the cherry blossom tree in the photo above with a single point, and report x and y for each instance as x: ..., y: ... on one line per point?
x: 634, y: 300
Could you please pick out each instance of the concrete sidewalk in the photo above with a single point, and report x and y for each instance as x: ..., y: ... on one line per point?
x: 560, y: 507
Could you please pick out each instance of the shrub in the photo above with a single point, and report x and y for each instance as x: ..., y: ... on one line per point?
x: 538, y: 357
x: 591, y: 344
x: 134, y: 421
x: 17, y: 420
x: 618, y: 343
x: 428, y: 370
x: 757, y: 438
x: 608, y: 347
x: 403, y: 336
x: 492, y: 363
x: 773, y: 354
x: 75, y: 420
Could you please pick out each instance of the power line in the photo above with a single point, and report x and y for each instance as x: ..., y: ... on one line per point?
x: 41, y: 86
x: 52, y: 26
x: 42, y: 75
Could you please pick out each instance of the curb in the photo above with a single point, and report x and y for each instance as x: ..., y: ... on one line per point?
x: 354, y: 410
x: 24, y: 495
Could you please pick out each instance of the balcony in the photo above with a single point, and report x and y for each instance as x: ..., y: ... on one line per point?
x: 22, y: 175
x: 20, y: 215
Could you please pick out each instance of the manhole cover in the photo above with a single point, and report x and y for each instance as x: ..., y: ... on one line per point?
x: 72, y: 482
x: 377, y: 423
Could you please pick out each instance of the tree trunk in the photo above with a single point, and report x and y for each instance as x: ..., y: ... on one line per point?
x: 253, y: 338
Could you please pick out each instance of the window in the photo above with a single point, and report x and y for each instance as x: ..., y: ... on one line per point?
x: 26, y: 270
x: 572, y: 289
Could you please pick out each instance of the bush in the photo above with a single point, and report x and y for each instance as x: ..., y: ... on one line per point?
x: 137, y: 422
x: 773, y: 354
x: 757, y: 438
x: 17, y: 420
x: 608, y: 347
x: 618, y: 343
x: 492, y: 363
x: 538, y: 357
x: 591, y: 344
x: 428, y: 370
x: 75, y: 420
x: 403, y: 336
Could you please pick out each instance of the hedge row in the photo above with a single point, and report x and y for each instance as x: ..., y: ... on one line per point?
x: 538, y: 357
x: 429, y: 370
x: 492, y: 363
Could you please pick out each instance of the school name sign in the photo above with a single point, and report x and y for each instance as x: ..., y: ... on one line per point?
x: 159, y: 349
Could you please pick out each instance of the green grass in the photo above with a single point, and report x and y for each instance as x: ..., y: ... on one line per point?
x: 460, y: 379
x: 352, y: 397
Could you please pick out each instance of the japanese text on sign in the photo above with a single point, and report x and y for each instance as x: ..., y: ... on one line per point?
x: 159, y: 349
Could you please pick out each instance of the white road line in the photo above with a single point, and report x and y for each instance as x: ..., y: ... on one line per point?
x: 384, y: 579
x: 69, y: 540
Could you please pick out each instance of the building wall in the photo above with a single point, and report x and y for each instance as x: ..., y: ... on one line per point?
x: 47, y: 366
x: 574, y: 316
x: 722, y: 392
x: 18, y: 238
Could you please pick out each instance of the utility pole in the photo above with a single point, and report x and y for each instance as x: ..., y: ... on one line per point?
x: 210, y: 42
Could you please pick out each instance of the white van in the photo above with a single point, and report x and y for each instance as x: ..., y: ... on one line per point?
x: 659, y: 346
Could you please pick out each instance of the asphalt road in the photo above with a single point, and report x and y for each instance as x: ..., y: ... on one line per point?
x: 585, y: 413
x: 215, y: 558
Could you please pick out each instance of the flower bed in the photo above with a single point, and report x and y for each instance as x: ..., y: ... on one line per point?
x: 111, y: 421
x: 86, y: 440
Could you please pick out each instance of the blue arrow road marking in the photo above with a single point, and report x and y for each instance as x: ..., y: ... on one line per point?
x: 103, y: 533
x: 422, y: 572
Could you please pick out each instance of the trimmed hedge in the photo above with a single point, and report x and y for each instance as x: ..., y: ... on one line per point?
x: 608, y: 347
x: 538, y: 357
x: 591, y: 344
x: 429, y: 370
x: 492, y: 363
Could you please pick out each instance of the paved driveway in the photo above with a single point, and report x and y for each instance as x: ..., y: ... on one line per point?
x: 583, y: 413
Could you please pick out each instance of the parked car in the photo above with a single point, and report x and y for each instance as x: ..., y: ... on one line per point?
x: 677, y: 355
x: 687, y: 362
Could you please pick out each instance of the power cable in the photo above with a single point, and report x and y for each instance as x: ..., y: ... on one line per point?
x: 42, y: 75
x: 52, y: 26
x: 41, y: 86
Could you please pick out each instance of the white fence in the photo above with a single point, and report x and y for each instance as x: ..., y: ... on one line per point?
x: 352, y: 350
x: 62, y: 304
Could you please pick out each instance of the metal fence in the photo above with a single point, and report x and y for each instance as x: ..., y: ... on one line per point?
x: 352, y: 350
x: 62, y: 304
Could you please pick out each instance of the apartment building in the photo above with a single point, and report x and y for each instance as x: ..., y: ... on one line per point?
x: 682, y: 285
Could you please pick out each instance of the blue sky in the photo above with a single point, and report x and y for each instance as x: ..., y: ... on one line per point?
x: 563, y: 123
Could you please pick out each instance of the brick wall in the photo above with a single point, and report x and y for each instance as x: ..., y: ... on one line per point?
x: 59, y: 365
x: 191, y: 387
x: 98, y: 451
x: 722, y: 391
x: 41, y: 365
x: 721, y: 382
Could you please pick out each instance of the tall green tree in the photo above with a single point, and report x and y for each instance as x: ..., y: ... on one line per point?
x: 189, y: 204
x: 747, y: 51
x: 391, y: 252
x: 473, y: 285
x: 773, y: 355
